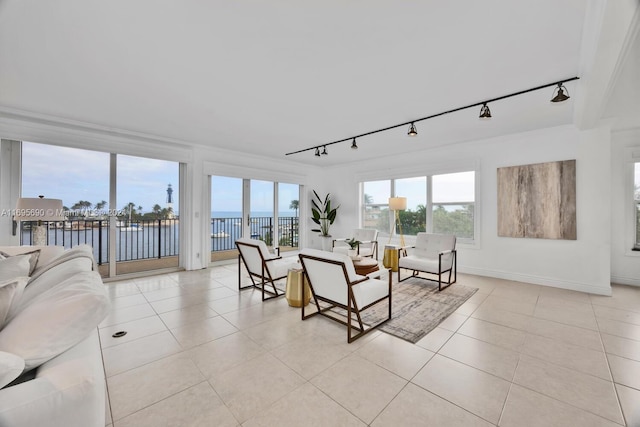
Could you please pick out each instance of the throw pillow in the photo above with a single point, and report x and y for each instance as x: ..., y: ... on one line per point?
x: 16, y: 266
x: 11, y: 366
x: 33, y: 257
x: 10, y: 293
x: 56, y: 320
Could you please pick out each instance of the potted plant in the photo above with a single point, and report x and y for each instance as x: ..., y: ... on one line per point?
x: 353, y: 244
x: 323, y: 214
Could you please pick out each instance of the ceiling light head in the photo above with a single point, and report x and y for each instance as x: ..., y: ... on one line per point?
x: 559, y: 94
x: 485, y: 113
x: 354, y: 146
x: 324, y: 150
x: 412, y: 130
x: 317, y: 151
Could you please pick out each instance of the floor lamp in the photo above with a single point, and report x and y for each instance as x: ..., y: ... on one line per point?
x: 39, y: 209
x: 397, y: 204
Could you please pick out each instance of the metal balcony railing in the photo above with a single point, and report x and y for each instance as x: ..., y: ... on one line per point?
x: 135, y: 240
x: 225, y: 231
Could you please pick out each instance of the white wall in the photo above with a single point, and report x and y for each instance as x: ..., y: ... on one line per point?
x: 625, y: 264
x: 583, y: 264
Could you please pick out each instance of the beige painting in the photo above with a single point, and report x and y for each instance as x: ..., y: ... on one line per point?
x: 538, y: 201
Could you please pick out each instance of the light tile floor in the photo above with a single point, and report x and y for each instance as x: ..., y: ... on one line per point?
x: 198, y: 353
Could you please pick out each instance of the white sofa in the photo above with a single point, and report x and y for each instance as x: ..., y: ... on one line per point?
x: 52, y: 326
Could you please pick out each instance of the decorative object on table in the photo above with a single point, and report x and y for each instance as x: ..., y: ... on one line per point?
x: 39, y: 209
x: 418, y: 308
x: 397, y: 204
x: 368, y: 246
x: 353, y: 244
x: 323, y: 214
x: 538, y: 201
x: 294, y: 293
x: 432, y: 254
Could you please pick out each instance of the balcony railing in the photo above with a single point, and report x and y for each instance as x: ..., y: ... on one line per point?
x: 225, y: 231
x: 136, y: 240
x: 148, y: 239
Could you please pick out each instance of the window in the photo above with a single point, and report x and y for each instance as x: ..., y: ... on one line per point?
x: 453, y: 204
x: 449, y: 208
x: 375, y: 206
x: 636, y: 204
x: 146, y: 225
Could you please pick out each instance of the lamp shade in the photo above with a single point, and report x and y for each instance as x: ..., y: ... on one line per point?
x: 397, y: 203
x: 39, y: 209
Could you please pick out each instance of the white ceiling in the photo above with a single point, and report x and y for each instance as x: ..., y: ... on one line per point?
x: 278, y: 76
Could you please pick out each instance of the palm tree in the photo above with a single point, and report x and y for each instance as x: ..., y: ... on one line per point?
x: 368, y: 199
x: 100, y: 205
x: 157, y: 210
x: 295, y: 204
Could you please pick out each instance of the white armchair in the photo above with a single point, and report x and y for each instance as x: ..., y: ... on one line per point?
x: 368, y: 246
x: 434, y: 254
x: 262, y: 265
x: 334, y: 282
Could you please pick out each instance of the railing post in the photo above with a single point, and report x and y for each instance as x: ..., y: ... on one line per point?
x: 99, y: 242
x: 159, y: 238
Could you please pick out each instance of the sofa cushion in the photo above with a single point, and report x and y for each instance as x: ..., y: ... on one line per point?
x: 55, y: 274
x: 11, y: 366
x: 32, y: 255
x: 17, y: 266
x: 47, y: 253
x: 10, y: 292
x: 56, y: 320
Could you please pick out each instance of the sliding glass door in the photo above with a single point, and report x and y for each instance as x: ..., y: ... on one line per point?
x: 262, y: 210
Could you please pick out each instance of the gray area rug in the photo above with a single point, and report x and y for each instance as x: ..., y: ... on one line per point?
x: 418, y: 307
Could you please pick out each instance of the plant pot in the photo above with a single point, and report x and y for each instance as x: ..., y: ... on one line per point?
x: 326, y: 243
x: 352, y: 253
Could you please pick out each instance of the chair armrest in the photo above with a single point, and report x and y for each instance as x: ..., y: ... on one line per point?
x: 447, y: 251
x: 277, y: 250
x: 273, y: 259
x: 380, y: 274
x: 359, y: 281
x: 369, y: 241
x: 333, y: 243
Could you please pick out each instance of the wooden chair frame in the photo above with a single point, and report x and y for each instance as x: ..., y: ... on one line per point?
x: 439, y: 273
x: 263, y: 278
x: 351, y: 307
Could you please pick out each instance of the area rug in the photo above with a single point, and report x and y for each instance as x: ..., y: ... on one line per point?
x: 418, y: 307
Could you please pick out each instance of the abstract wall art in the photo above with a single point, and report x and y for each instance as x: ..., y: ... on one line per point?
x: 538, y: 201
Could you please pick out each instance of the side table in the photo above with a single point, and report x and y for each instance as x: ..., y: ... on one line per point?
x: 390, y: 259
x: 293, y: 292
x: 365, y: 266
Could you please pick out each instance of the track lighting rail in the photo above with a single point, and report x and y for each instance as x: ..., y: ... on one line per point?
x: 410, y: 122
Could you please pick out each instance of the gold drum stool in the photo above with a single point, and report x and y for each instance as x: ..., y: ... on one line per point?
x: 293, y: 293
x: 390, y: 259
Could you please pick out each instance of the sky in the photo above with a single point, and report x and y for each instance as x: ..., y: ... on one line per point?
x: 454, y: 187
x: 73, y: 174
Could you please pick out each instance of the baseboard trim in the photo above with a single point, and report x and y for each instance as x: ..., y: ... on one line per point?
x: 631, y: 281
x: 538, y: 280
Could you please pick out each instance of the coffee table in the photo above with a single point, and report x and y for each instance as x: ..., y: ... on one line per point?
x: 365, y: 266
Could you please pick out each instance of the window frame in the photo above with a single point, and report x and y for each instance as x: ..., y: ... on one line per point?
x: 475, y: 240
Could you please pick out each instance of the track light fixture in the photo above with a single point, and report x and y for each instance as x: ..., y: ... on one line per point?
x: 412, y: 130
x: 485, y: 113
x: 560, y: 94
